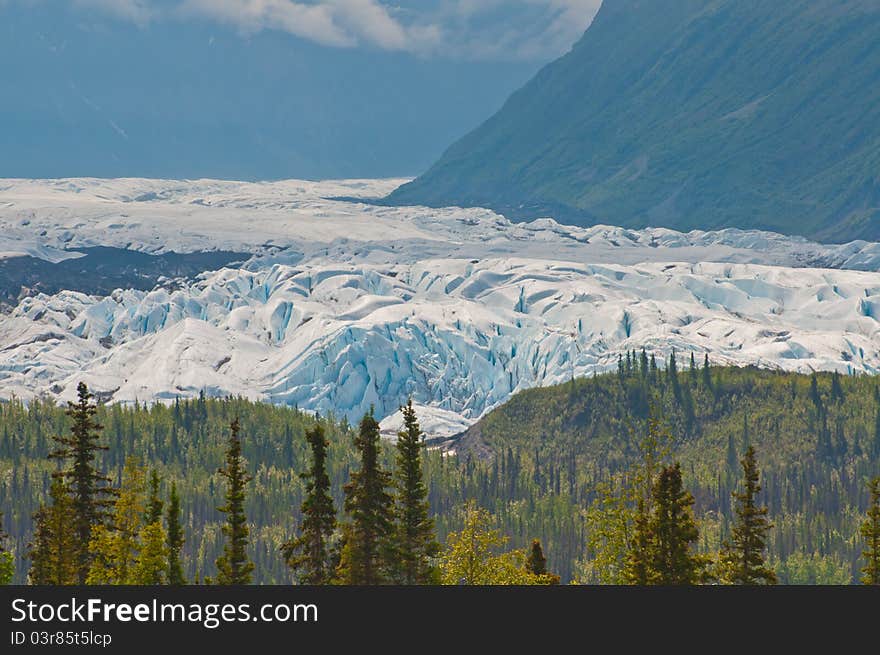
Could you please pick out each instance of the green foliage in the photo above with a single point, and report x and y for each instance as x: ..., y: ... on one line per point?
x: 415, y: 543
x: 89, y: 487
x: 536, y: 563
x: 813, y: 569
x: 870, y: 533
x: 151, y: 565
x: 154, y: 502
x: 472, y: 558
x: 311, y: 556
x: 52, y: 551
x: 367, y: 554
x: 672, y: 532
x: 608, y: 521
x: 580, y: 438
x: 174, y: 539
x: 233, y: 566
x: 115, y: 546
x: 743, y: 555
x: 7, y: 568
x: 639, y: 564
x: 7, y: 561
x: 185, y: 442
x: 540, y: 464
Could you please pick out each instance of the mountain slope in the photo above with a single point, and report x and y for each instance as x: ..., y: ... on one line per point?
x: 689, y: 113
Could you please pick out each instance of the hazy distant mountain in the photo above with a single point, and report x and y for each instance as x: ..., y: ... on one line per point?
x: 690, y: 114
x: 84, y: 94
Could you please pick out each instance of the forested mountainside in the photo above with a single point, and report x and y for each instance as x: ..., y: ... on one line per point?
x: 539, y: 464
x: 689, y: 114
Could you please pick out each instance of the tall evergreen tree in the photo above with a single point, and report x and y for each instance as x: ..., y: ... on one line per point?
x: 90, y: 489
x: 415, y: 541
x: 875, y: 442
x: 174, y: 539
x: 732, y: 460
x: 154, y: 502
x: 310, y: 555
x: 814, y: 392
x: 744, y: 557
x: 673, y: 531
x: 52, y: 550
x: 870, y: 532
x: 836, y: 387
x: 368, y: 538
x: 233, y: 566
x: 638, y: 567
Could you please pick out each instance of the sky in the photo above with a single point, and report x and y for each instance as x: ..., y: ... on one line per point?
x: 261, y: 89
x: 469, y: 29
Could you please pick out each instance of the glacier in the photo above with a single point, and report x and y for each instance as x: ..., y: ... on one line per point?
x: 346, y: 306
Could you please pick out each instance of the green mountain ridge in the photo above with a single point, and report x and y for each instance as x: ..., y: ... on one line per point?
x: 689, y: 114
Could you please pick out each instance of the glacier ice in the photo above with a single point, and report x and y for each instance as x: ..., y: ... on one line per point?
x: 345, y: 306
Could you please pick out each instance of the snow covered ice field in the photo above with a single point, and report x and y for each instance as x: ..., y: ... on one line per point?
x: 344, y: 305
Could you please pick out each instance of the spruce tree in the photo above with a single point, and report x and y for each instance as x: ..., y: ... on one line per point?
x: 90, y: 489
x: 875, y: 442
x: 233, y: 566
x: 836, y: 387
x: 732, y: 459
x: 310, y: 555
x: 814, y: 392
x: 154, y: 502
x: 536, y: 564
x: 174, y: 539
x: 745, y: 555
x: 52, y: 550
x: 870, y: 532
x: 415, y: 542
x: 638, y: 566
x: 673, y: 531
x: 368, y: 537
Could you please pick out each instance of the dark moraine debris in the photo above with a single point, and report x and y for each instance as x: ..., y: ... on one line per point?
x: 104, y: 269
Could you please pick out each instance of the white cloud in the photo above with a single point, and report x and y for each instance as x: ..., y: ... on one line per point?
x: 314, y: 22
x: 341, y: 23
x: 136, y: 11
x: 496, y: 29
